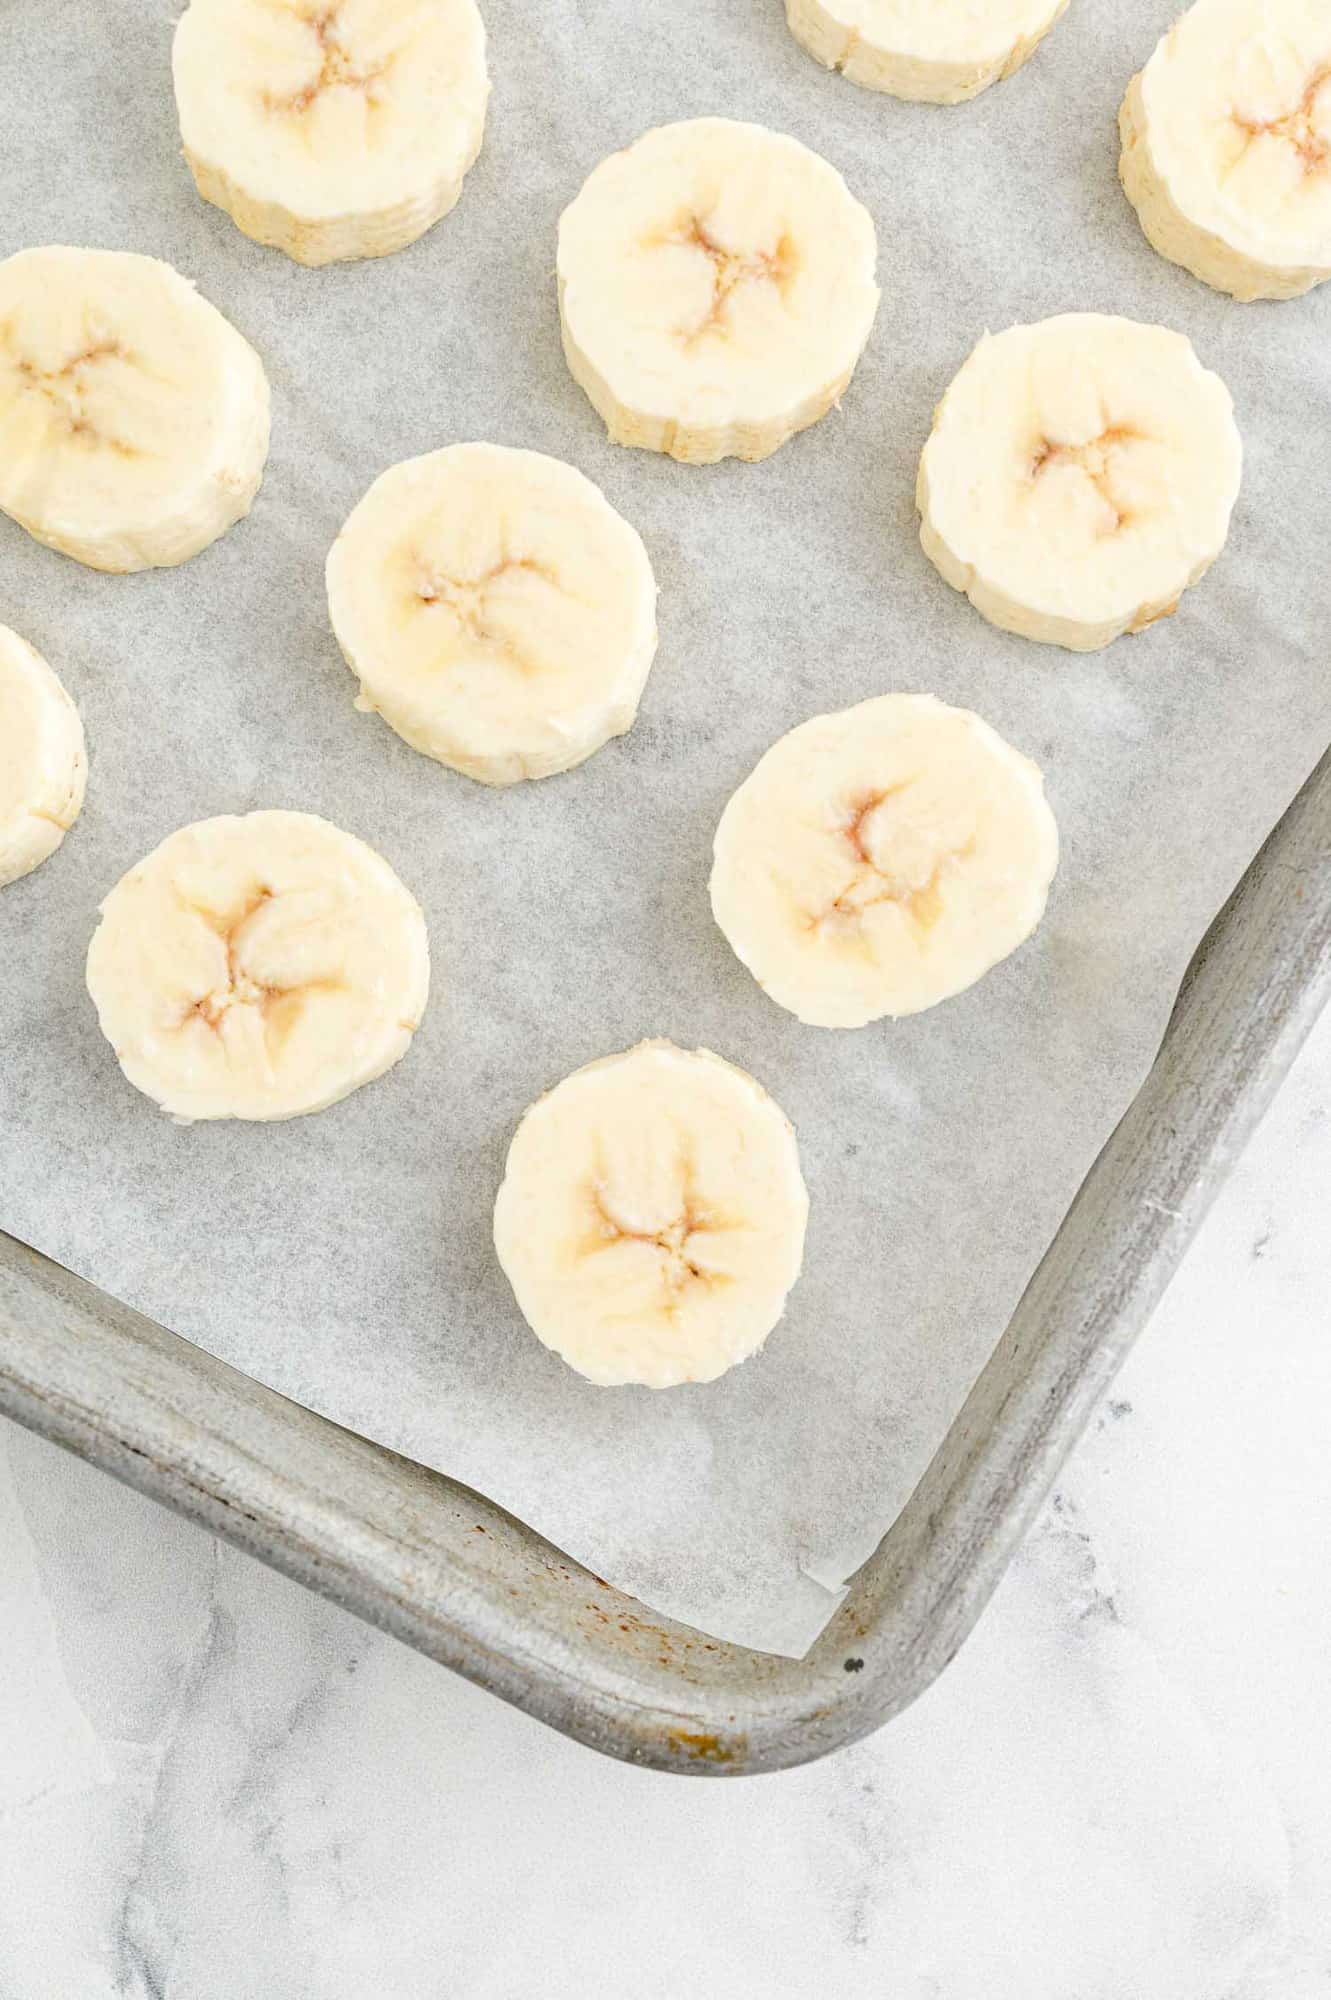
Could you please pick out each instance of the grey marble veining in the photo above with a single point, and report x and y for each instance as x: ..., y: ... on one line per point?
x: 215, y: 1787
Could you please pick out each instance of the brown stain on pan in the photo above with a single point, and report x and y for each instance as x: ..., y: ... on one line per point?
x: 702, y: 1748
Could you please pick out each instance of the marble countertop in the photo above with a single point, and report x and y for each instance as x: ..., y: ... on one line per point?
x: 215, y: 1787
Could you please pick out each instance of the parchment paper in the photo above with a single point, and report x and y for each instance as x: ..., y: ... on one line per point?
x: 346, y: 1258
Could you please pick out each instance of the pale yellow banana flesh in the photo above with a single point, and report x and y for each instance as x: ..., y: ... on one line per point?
x: 929, y: 51
x: 43, y: 762
x: 716, y: 289
x: 1227, y: 145
x: 497, y: 611
x: 882, y: 859
x: 652, y: 1215
x: 258, y: 967
x: 133, y: 416
x: 331, y: 129
x: 1080, y: 477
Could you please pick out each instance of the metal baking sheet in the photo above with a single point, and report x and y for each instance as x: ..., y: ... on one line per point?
x: 466, y: 1584
x: 345, y: 1259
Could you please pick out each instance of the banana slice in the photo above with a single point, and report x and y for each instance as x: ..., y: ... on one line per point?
x: 1227, y: 146
x: 1080, y: 475
x: 43, y: 763
x: 716, y: 289
x: 651, y: 1219
x: 932, y: 51
x: 258, y: 967
x: 882, y: 859
x: 498, y: 612
x: 331, y: 128
x: 133, y: 417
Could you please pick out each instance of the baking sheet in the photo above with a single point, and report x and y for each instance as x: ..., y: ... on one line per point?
x: 346, y: 1258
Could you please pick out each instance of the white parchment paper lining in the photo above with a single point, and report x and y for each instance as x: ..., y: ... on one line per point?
x: 346, y: 1258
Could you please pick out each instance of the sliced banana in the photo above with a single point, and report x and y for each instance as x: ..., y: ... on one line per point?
x: 258, y: 967
x: 43, y: 763
x: 716, y: 289
x: 651, y: 1219
x: 882, y: 859
x: 1080, y: 475
x: 932, y: 51
x: 1227, y: 145
x: 331, y: 128
x: 133, y: 417
x: 497, y: 611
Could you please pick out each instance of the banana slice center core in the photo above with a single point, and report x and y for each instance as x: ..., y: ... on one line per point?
x: 472, y: 603
x: 1097, y: 462
x: 674, y: 1241
x: 338, y: 69
x: 1306, y: 128
x: 66, y: 389
x: 914, y: 880
x: 238, y: 988
x: 731, y: 271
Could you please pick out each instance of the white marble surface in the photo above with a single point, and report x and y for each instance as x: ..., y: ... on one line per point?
x: 214, y: 1787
